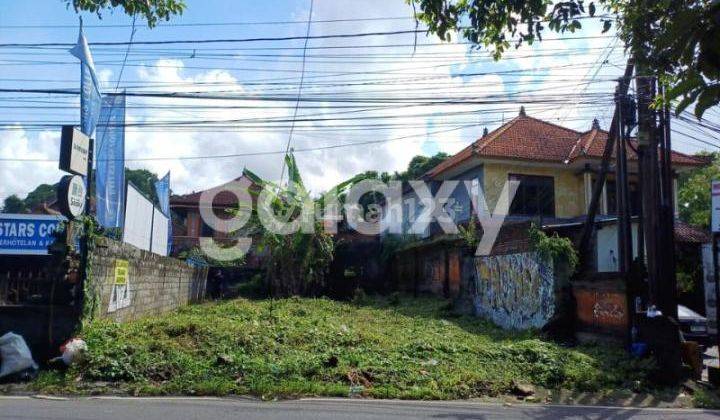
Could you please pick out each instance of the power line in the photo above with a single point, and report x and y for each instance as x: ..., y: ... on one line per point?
x: 127, y: 52
x: 258, y: 39
x: 300, y: 86
x: 240, y: 23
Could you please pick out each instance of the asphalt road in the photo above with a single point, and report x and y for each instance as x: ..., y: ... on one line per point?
x: 312, y: 409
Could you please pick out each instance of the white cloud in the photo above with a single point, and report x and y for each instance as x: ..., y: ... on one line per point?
x: 21, y: 177
x: 321, y: 169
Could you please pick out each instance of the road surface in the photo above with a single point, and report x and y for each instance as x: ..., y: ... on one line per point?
x: 18, y: 408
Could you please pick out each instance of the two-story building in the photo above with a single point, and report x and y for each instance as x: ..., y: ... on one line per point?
x: 555, y: 168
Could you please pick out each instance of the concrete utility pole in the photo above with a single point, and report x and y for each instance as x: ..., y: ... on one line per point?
x: 661, y: 332
x: 656, y: 233
x: 620, y: 92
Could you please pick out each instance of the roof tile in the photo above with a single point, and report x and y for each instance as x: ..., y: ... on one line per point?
x: 531, y: 139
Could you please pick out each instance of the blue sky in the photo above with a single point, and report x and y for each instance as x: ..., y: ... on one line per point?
x: 554, y: 67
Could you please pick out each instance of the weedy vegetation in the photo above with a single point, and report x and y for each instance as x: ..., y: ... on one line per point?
x: 397, y: 347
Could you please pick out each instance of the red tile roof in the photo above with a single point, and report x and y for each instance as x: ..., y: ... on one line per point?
x: 531, y: 139
x: 592, y: 144
x: 222, y: 198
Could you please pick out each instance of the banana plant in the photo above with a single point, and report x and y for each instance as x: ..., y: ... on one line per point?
x: 298, y: 262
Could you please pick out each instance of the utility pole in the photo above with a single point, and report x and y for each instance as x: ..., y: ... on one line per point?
x: 660, y: 330
x: 668, y: 293
x: 625, y: 246
x: 620, y: 92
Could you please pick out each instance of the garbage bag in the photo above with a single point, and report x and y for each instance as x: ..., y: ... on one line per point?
x: 73, y: 350
x: 15, y: 355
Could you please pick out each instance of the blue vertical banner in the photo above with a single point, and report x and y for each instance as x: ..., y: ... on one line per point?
x: 162, y: 188
x: 89, y: 88
x: 110, y: 161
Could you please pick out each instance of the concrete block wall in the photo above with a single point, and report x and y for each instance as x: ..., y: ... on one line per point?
x: 155, y: 284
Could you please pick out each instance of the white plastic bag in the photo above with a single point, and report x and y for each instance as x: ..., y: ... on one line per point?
x: 73, y: 350
x: 15, y: 355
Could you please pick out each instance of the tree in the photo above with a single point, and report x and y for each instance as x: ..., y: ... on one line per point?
x: 676, y: 39
x: 419, y: 165
x: 298, y: 262
x: 152, y: 10
x: 14, y: 204
x: 694, y: 192
x: 44, y: 193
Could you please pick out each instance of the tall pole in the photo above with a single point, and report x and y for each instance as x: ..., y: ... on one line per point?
x: 661, y: 331
x: 621, y: 192
x: 668, y: 303
x: 716, y: 278
x: 620, y: 91
x: 647, y: 145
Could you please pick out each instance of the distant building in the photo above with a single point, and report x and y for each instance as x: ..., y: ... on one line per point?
x: 188, y: 224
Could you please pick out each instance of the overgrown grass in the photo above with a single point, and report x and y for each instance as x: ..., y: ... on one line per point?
x: 386, y: 348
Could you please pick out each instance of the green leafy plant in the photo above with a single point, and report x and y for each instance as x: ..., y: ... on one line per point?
x: 91, y: 231
x: 676, y: 40
x: 555, y: 248
x: 694, y: 191
x: 152, y: 10
x: 299, y: 262
x: 197, y: 254
x: 392, y: 243
x: 469, y: 233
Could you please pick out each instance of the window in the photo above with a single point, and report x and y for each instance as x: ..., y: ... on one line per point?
x: 535, y: 196
x: 634, y: 196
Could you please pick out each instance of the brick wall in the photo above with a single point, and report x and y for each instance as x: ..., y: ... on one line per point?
x: 429, y: 270
x: 154, y: 285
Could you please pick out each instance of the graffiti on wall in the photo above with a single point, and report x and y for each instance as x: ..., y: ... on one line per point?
x: 601, y: 309
x: 514, y: 291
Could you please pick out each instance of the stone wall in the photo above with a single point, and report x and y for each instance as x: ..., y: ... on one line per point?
x: 128, y: 283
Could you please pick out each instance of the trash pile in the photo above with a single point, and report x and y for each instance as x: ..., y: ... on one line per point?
x: 18, y: 365
x: 16, y: 362
x: 72, y: 351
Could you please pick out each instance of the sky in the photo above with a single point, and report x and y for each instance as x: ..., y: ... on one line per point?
x: 369, y: 103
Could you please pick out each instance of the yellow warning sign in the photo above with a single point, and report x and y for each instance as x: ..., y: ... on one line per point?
x: 122, y: 271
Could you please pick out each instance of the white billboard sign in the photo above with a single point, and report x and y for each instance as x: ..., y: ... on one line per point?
x: 138, y: 219
x: 74, y: 151
x: 159, y: 233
